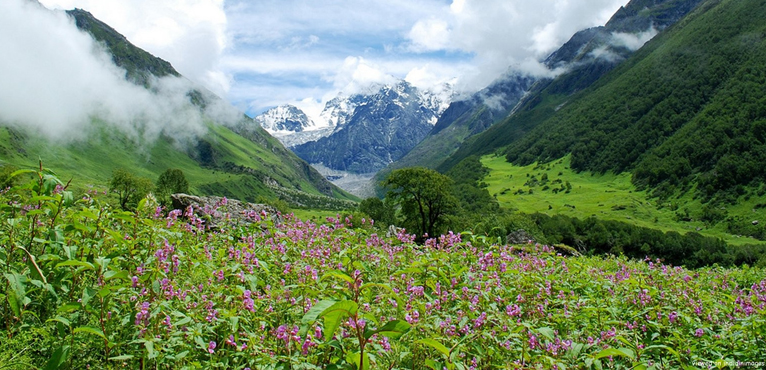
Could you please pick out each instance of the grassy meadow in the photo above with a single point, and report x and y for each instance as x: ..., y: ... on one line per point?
x: 607, y: 196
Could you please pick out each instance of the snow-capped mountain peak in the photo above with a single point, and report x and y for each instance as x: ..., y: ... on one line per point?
x: 284, y: 119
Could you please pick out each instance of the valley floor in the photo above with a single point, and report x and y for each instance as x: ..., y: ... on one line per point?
x: 543, y: 188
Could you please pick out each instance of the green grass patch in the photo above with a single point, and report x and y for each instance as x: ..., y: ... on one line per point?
x: 543, y: 188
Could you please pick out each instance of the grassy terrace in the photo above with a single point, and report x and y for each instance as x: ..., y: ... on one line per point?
x: 608, y: 196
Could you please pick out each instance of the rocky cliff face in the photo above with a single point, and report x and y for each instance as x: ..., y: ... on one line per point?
x: 371, y: 131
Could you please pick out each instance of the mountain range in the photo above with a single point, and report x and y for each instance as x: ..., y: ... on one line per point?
x: 587, y: 55
x: 668, y: 91
x: 376, y: 131
x: 361, y: 132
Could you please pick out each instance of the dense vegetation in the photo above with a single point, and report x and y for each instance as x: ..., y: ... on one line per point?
x: 703, y: 78
x: 595, y: 236
x: 684, y: 112
x: 85, y: 285
x: 426, y: 202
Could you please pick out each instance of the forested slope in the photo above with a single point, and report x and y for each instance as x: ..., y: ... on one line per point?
x: 686, y: 109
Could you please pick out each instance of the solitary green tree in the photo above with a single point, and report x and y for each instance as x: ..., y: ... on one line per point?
x: 129, y: 188
x: 171, y: 181
x: 425, y: 199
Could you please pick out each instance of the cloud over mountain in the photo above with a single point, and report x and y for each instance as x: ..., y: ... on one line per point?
x: 57, y: 79
x: 191, y: 34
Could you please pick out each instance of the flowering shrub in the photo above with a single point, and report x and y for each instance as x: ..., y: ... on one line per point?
x: 85, y: 284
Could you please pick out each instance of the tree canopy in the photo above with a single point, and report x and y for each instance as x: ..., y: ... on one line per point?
x: 170, y: 182
x: 128, y: 187
x: 425, y: 197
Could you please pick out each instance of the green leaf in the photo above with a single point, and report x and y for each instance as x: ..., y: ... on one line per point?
x: 121, y: 358
x: 354, y: 358
x: 88, y: 294
x: 546, y: 332
x: 69, y: 307
x: 77, y: 263
x: 435, y: 344
x: 621, y: 352
x: 104, y: 292
x: 393, y: 329
x: 90, y: 330
x: 150, y: 349
x: 62, y: 320
x: 58, y: 359
x: 313, y: 313
x: 14, y: 303
x: 334, y: 315
x: 337, y: 274
x: 111, y: 274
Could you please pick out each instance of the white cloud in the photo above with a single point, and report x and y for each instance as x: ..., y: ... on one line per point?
x: 56, y: 80
x: 429, y: 35
x: 503, y: 33
x: 631, y: 41
x: 358, y: 75
x: 431, y: 76
x: 190, y: 34
x: 296, y: 47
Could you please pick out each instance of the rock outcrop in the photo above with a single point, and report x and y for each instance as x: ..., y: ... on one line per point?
x: 218, y: 210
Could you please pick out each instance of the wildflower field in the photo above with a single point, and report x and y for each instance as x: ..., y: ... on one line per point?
x: 87, y: 285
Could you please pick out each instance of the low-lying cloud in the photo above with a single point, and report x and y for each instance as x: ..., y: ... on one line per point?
x: 191, y: 34
x: 500, y: 34
x: 631, y: 41
x: 56, y: 80
x: 621, y: 40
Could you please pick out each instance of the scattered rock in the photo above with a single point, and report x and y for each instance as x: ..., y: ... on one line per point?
x: 220, y: 209
x: 519, y: 236
x: 755, y: 223
x: 393, y: 231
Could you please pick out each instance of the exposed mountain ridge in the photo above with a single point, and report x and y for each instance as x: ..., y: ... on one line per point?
x: 284, y: 119
x: 372, y: 130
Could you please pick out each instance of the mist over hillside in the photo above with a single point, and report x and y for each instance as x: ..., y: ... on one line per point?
x: 77, y: 88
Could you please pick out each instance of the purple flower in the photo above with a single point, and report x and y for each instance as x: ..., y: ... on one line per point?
x: 699, y: 333
x: 142, y: 317
x: 513, y: 310
x: 211, y: 347
x: 248, y: 302
x: 673, y: 316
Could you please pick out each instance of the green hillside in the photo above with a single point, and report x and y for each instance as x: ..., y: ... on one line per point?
x: 672, y: 139
x: 222, y: 162
x: 677, y: 115
x: 240, y: 160
x: 685, y: 112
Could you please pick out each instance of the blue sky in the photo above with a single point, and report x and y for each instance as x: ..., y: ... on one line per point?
x: 262, y: 53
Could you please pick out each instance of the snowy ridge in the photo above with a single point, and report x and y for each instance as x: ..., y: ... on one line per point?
x: 293, y: 127
x: 284, y: 120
